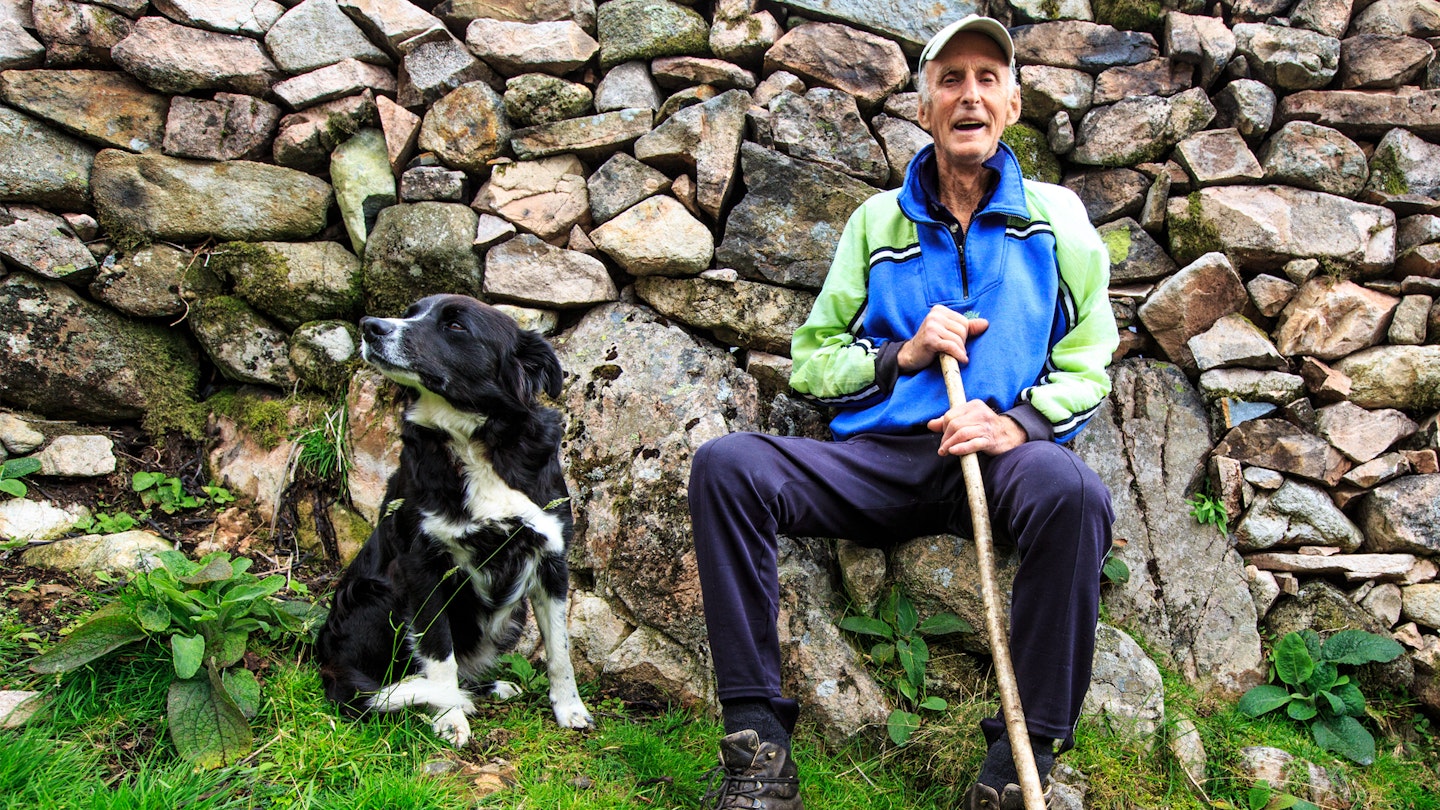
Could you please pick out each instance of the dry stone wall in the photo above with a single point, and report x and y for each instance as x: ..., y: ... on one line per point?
x: 215, y: 191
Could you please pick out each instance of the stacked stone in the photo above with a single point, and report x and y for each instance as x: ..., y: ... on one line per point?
x: 229, y: 184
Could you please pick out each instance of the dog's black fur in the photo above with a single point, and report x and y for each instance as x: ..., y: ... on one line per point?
x: 476, y: 522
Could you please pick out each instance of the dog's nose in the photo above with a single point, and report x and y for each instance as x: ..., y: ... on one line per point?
x: 376, y: 327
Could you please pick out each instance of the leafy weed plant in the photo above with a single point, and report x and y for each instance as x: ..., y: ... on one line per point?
x: 14, y: 469
x: 901, y: 655
x: 1209, y: 511
x: 205, y: 613
x: 1316, y: 694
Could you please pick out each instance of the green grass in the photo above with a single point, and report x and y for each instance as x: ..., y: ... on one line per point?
x: 102, y: 742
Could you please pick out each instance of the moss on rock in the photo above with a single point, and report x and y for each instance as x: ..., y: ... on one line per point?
x: 1032, y: 149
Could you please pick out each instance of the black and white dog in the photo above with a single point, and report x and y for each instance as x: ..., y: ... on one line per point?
x: 476, y: 521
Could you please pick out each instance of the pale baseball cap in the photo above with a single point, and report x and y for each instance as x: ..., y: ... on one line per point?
x: 988, y: 26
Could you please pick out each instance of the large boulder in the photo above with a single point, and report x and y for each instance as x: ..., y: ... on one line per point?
x: 418, y: 250
x: 42, y: 165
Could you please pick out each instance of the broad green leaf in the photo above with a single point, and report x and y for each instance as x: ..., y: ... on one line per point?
x: 13, y: 488
x: 906, y: 688
x: 214, y: 568
x: 241, y: 565
x: 244, y: 689
x: 866, y: 626
x: 1312, y: 643
x: 1353, y: 699
x: 901, y: 725
x: 153, y: 616
x: 913, y: 666
x: 177, y: 564
x: 1115, y: 570
x: 1263, y: 699
x: 934, y: 704
x: 1330, y: 701
x: 1258, y: 796
x: 906, y: 617
x: 189, y: 654
x: 1345, y: 736
x: 1301, y: 709
x: 255, y: 590
x: 1322, y: 678
x: 942, y: 624
x: 299, y: 616
x: 206, y: 726
x: 1292, y: 660
x: 1359, y: 647
x: 921, y: 650
x: 883, y: 653
x: 19, y: 467
x: 104, y: 632
x: 141, y: 481
x: 227, y: 648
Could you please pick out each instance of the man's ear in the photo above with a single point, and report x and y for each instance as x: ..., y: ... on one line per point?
x: 1014, y: 114
x: 924, y: 116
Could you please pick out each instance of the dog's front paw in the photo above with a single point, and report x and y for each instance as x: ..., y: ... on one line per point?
x: 452, y: 727
x: 504, y: 690
x: 573, y: 714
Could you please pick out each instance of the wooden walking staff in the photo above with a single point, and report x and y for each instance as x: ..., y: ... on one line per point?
x: 994, y: 614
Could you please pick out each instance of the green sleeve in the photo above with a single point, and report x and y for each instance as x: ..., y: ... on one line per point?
x: 828, y: 362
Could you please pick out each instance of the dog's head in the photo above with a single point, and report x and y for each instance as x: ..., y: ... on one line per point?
x: 470, y: 354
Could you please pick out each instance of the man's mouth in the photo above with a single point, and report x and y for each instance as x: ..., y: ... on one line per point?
x: 969, y: 125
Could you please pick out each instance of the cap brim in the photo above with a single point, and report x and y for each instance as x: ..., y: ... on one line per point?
x: 988, y: 26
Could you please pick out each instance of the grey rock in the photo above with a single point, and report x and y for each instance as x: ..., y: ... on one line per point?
x: 175, y: 59
x: 306, y: 139
x: 344, y: 78
x: 1126, y: 693
x: 1417, y: 230
x: 1081, y: 45
x: 100, y: 105
x: 316, y: 33
x: 85, y: 557
x: 1410, y: 18
x: 1363, y: 434
x: 741, y: 313
x: 1218, y: 157
x: 683, y: 71
x: 324, y: 352
x: 1134, y: 255
x: 17, y: 48
x: 786, y: 227
x: 466, y: 128
x: 1046, y: 90
x: 619, y: 183
x: 1370, y: 61
x: 18, y: 437
x: 169, y: 198
x: 1401, y: 516
x: 1377, y: 471
x: 231, y: 127
x: 1403, y: 164
x: 77, y: 456
x: 1362, y: 114
x: 1421, y: 603
x: 1140, y: 129
x: 490, y: 230
x: 1385, y: 601
x: 69, y: 358
x: 627, y: 86
x: 1190, y: 302
x: 629, y: 239
x: 1329, y: 319
x: 1277, y: 767
x: 250, y: 17
x: 1158, y: 77
x: 38, y: 521
x: 911, y: 26
x: 1249, y: 385
x: 1109, y: 193
x: 242, y: 343
x: 430, y: 70
x: 1041, y: 11
x: 402, y: 132
x: 591, y: 138
x: 705, y: 137
x: 833, y: 55
x: 1295, y: 515
x: 1328, y: 17
x: 364, y: 184
x: 398, y: 24
x: 1187, y: 592
x: 824, y: 126
x: 527, y: 270
x: 1288, y: 58
x: 901, y: 141
x: 1252, y: 224
x: 744, y: 40
x: 41, y: 242
x: 78, y: 34
x: 536, y: 98
x: 432, y: 184
x: 544, y: 47
x: 42, y: 165
x: 144, y: 284
x: 1203, y: 41
x: 862, y: 572
x: 374, y: 408
x: 780, y: 81
x: 1235, y: 341
x: 545, y: 197
x: 1281, y: 446
x: 1408, y: 327
x: 645, y: 29
x: 292, y: 282
x: 1314, y: 157
x: 418, y: 250
x: 1247, y: 105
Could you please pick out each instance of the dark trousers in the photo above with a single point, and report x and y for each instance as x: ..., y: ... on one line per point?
x: 745, y: 488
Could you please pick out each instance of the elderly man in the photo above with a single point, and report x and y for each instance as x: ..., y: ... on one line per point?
x: 1006, y: 275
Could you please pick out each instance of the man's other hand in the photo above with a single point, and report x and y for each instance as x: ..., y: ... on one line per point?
x: 944, y: 331
x: 974, y: 428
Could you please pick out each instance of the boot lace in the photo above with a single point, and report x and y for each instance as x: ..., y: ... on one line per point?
x: 734, y: 789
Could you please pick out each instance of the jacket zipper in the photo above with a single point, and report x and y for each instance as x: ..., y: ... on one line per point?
x: 958, y: 236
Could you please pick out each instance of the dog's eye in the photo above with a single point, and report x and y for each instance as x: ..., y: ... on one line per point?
x: 455, y: 326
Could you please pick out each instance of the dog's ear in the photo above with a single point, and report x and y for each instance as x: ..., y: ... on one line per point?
x: 539, y: 367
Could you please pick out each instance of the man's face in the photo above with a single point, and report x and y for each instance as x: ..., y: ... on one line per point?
x: 972, y: 99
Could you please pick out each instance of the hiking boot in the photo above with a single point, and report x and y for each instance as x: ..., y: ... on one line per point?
x: 983, y: 797
x: 752, y: 776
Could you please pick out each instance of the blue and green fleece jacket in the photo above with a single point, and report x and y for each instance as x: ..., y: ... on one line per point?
x: 1030, y: 263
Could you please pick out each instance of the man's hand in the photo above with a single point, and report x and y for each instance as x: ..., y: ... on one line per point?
x: 944, y: 331
x: 974, y: 428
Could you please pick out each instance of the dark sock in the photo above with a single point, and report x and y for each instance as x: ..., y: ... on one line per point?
x: 757, y: 714
x: 999, y: 768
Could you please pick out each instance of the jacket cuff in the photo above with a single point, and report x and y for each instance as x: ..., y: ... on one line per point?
x: 1036, y: 426
x: 887, y: 365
